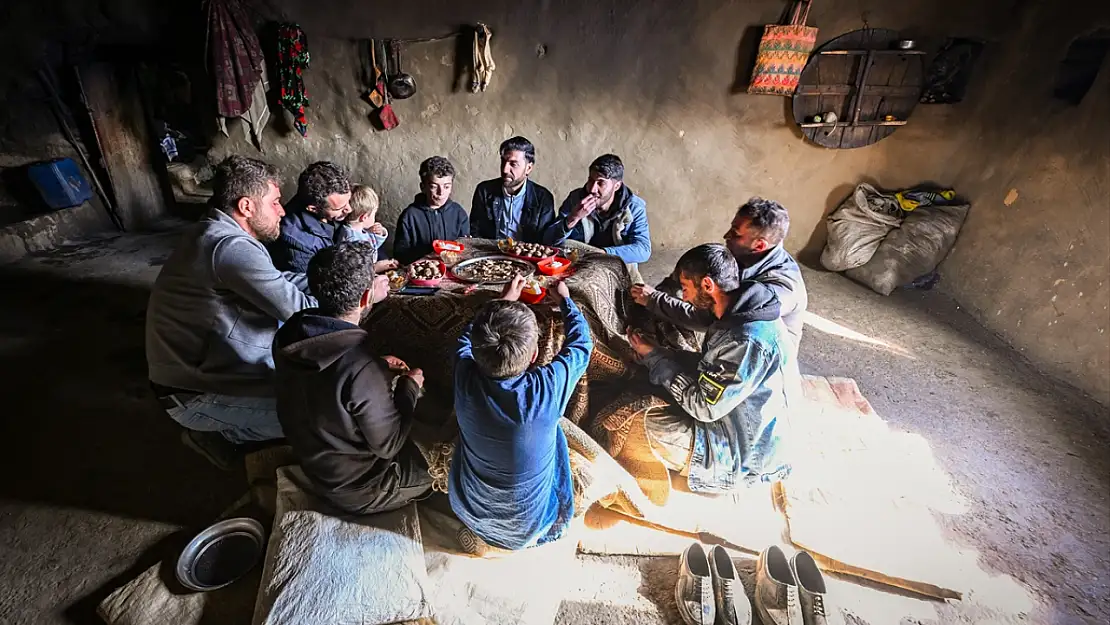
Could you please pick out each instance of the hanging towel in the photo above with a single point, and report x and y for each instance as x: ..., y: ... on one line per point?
x: 236, y: 56
x: 292, y: 61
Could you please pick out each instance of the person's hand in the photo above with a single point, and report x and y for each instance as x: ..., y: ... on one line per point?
x: 377, y: 229
x: 417, y: 375
x: 582, y: 210
x: 395, y: 364
x: 639, y: 344
x: 386, y: 265
x: 641, y: 293
x: 563, y: 290
x: 513, y: 289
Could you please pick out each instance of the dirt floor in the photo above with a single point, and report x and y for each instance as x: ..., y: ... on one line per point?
x: 98, y: 486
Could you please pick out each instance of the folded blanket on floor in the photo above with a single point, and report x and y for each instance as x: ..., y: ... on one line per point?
x: 324, y: 567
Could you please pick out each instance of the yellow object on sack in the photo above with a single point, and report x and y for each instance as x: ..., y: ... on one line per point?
x: 910, y: 200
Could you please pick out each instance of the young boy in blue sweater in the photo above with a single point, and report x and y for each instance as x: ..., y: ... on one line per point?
x: 510, y: 477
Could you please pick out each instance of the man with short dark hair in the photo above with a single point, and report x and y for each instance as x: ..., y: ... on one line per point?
x: 313, y: 215
x: 755, y: 239
x: 350, y: 434
x: 432, y: 215
x: 510, y: 479
x: 735, y: 396
x: 605, y: 213
x: 512, y: 206
x: 213, y: 312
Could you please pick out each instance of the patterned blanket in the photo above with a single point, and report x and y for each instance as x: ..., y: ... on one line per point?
x: 606, y: 411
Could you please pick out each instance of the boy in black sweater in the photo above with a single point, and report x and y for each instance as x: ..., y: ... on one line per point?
x: 432, y: 215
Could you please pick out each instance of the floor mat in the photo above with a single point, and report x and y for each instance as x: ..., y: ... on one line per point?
x: 861, y: 499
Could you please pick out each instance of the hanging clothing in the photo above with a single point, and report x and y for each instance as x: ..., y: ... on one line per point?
x: 237, y: 59
x: 292, y: 61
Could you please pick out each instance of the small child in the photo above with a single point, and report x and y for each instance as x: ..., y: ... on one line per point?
x: 361, y: 225
x: 510, y: 480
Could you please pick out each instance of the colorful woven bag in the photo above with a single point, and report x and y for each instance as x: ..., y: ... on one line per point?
x: 783, y: 52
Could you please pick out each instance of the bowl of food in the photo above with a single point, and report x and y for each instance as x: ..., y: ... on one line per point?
x: 532, y: 293
x: 441, y: 246
x: 221, y: 554
x: 526, y: 251
x: 426, y: 272
x: 397, y: 279
x: 554, y: 266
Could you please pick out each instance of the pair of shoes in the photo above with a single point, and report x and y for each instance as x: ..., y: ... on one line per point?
x: 214, y: 447
x: 708, y: 591
x: 792, y: 592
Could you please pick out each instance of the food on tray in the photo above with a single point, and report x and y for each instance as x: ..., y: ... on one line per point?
x: 426, y: 270
x: 396, y: 279
x: 490, y: 270
x: 528, y: 250
x: 532, y: 286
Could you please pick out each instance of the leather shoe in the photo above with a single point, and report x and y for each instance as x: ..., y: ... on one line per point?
x: 733, y: 607
x: 694, y: 591
x: 776, y: 591
x: 812, y: 592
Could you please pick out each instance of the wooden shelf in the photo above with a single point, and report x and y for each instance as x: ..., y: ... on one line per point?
x: 865, y: 52
x: 884, y: 91
x: 901, y: 122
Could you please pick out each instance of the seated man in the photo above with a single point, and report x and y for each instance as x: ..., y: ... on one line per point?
x: 346, y: 429
x: 734, y: 397
x: 510, y: 479
x: 512, y: 206
x: 432, y: 214
x: 755, y: 240
x: 605, y: 213
x: 213, y: 313
x: 313, y: 216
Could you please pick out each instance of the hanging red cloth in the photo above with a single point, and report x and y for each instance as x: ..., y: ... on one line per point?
x: 237, y: 59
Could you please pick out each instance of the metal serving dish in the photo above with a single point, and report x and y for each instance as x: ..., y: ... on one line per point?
x: 221, y: 554
x: 461, y: 271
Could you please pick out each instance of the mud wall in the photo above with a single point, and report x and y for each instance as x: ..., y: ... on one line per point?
x: 1033, y: 260
x: 659, y: 83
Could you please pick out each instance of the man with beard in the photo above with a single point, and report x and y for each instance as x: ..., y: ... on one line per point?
x: 605, y: 213
x: 755, y: 239
x: 733, y: 393
x: 213, y: 312
x: 512, y: 206
x: 313, y: 216
x: 350, y: 434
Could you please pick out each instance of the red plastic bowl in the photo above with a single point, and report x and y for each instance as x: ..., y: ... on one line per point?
x: 447, y: 246
x: 546, y: 266
x: 529, y: 297
x: 418, y: 282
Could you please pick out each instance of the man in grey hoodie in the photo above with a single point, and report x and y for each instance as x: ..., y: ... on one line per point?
x: 755, y: 239
x: 213, y: 313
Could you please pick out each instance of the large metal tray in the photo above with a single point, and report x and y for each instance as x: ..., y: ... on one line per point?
x: 460, y: 270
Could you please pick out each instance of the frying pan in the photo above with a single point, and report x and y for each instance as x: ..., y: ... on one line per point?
x: 401, y: 85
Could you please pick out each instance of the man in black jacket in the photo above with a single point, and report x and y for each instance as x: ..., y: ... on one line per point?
x: 432, y: 214
x: 333, y: 393
x: 513, y: 206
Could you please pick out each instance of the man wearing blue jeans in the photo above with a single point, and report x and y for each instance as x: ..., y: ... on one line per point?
x: 213, y: 313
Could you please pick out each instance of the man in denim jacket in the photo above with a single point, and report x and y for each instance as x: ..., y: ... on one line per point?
x: 733, y: 393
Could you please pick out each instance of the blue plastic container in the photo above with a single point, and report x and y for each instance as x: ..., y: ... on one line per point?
x: 60, y: 183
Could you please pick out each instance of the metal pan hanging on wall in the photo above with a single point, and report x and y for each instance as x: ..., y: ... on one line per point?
x: 401, y: 85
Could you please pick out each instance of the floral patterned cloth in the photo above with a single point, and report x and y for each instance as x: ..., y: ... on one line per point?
x: 292, y: 61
